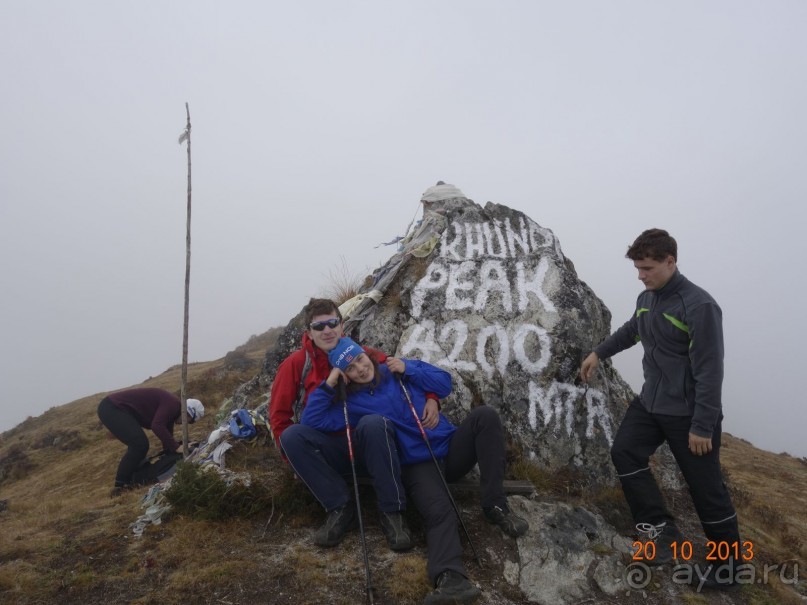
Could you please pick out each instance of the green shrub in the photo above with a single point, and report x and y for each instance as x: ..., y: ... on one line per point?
x: 15, y: 464
x: 203, y: 494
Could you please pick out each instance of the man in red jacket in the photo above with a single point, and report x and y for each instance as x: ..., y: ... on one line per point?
x: 294, y: 381
x: 313, y: 454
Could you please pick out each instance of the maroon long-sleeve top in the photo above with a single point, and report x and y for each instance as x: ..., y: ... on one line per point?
x: 154, y: 409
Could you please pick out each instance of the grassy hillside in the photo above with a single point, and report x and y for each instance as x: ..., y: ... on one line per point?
x: 64, y: 540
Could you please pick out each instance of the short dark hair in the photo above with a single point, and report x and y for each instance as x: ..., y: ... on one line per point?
x: 320, y: 306
x: 653, y: 243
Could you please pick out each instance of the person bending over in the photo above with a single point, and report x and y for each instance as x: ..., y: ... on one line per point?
x: 127, y: 413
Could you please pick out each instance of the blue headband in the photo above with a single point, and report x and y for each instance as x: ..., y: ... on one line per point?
x: 343, y: 354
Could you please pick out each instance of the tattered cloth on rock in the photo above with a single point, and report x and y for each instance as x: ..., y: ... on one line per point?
x: 419, y: 242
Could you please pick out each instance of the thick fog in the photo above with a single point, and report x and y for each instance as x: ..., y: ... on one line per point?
x: 317, y: 126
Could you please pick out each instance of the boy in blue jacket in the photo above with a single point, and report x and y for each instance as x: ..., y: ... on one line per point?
x: 374, y: 392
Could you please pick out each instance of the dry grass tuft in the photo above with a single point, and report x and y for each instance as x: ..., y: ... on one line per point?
x: 770, y: 516
x: 783, y: 592
x: 343, y: 284
x: 792, y: 542
x: 611, y: 504
x: 740, y: 496
x: 291, y: 497
x: 311, y: 568
x: 566, y: 482
x: 392, y: 297
x: 201, y: 580
x: 63, y: 440
x: 693, y: 598
x: 19, y: 577
x: 773, y: 592
x: 407, y: 580
x: 768, y: 493
x: 542, y: 478
x: 14, y: 464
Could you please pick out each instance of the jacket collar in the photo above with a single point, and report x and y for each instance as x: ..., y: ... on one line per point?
x: 313, y: 350
x: 671, y: 286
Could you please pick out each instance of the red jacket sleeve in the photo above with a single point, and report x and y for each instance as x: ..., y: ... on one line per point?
x: 379, y: 356
x: 285, y: 387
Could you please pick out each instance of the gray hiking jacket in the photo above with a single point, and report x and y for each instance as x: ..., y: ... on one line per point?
x: 680, y: 327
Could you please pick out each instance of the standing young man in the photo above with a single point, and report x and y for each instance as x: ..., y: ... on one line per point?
x: 681, y: 330
x: 322, y: 460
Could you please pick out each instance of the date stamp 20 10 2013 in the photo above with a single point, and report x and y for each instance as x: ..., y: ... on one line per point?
x: 715, y: 551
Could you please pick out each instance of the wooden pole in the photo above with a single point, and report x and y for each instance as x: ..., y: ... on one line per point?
x: 183, y: 393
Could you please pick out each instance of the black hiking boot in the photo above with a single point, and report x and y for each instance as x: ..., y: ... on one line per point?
x: 452, y: 588
x: 336, y: 525
x: 398, y: 536
x: 511, y: 524
x: 662, y: 536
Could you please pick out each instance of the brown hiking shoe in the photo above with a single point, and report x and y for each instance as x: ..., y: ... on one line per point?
x: 452, y: 588
x: 662, y: 536
x: 396, y: 532
x: 336, y: 525
x: 511, y: 524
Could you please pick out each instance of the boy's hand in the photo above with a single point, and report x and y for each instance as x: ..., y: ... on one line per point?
x: 590, y: 364
x: 700, y: 446
x: 431, y: 416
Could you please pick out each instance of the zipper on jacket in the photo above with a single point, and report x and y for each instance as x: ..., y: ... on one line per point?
x: 650, y: 319
x: 689, y: 358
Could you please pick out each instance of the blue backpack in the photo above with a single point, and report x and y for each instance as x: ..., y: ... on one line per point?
x: 241, y: 424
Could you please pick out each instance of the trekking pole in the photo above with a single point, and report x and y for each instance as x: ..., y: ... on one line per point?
x: 439, y: 471
x: 367, y: 576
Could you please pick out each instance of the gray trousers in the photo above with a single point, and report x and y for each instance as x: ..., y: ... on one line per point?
x: 479, y: 439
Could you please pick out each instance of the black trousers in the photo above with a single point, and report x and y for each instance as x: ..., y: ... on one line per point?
x: 479, y: 439
x: 127, y: 429
x: 639, y: 436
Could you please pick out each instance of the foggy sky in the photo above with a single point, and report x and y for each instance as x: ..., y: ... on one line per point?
x: 317, y: 126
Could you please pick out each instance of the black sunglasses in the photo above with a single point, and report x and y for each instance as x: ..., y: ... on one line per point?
x: 319, y: 326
